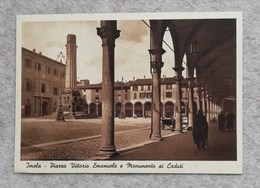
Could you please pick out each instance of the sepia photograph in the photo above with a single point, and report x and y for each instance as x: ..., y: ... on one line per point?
x: 129, y: 93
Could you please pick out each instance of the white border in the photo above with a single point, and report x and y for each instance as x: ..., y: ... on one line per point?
x: 212, y: 167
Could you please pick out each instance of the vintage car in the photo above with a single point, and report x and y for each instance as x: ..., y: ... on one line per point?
x: 170, y: 122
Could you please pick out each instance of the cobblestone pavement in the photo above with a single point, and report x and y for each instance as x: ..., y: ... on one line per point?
x: 79, y: 139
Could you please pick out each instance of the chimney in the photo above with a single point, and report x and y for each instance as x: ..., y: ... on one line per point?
x: 40, y: 53
x: 34, y: 50
x: 133, y: 78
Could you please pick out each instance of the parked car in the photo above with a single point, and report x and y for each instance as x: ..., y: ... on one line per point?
x: 170, y: 122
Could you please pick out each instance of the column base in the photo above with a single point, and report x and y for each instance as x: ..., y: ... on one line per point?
x: 156, y: 138
x: 178, y: 130
x: 107, y: 152
x: 189, y: 128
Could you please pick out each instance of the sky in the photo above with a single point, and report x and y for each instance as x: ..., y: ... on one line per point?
x: 131, y: 51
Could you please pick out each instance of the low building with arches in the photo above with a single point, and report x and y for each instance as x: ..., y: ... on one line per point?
x: 133, y: 98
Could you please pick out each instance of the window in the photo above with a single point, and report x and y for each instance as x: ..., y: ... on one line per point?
x: 142, y: 95
x: 39, y: 67
x: 63, y: 74
x: 168, y: 94
x: 135, y: 88
x: 55, y: 72
x: 28, y: 63
x: 148, y: 95
x: 135, y: 96
x: 169, y: 86
x: 48, y: 70
x: 29, y: 86
x: 126, y: 96
x: 142, y: 88
x: 149, y: 87
x: 96, y: 90
x: 43, y: 88
x: 55, y: 91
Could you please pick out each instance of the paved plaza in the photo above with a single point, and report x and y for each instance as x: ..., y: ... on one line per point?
x: 45, y: 139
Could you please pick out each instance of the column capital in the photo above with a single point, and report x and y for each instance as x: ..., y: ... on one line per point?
x: 158, y: 51
x: 105, y: 32
x: 178, y: 70
x: 156, y: 66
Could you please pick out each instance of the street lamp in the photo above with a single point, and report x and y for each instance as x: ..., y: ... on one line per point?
x: 195, y: 45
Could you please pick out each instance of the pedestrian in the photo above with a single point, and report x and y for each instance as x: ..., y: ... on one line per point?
x: 221, y: 121
x: 230, y: 121
x: 200, y: 130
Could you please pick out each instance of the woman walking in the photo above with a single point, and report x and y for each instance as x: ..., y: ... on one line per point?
x: 200, y: 130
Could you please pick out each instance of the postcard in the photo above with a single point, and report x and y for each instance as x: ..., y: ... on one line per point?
x: 129, y: 93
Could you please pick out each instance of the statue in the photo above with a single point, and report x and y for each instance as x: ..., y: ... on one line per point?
x: 59, y: 111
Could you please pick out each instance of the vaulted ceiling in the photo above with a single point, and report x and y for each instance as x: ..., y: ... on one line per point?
x: 216, y: 60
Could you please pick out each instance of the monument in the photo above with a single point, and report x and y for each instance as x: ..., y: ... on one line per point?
x: 71, y: 97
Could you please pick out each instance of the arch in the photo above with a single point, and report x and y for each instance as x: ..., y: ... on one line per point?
x: 157, y: 30
x: 183, y: 109
x: 92, y: 109
x: 75, y: 100
x: 100, y: 109
x: 129, y: 109
x: 85, y: 108
x: 45, y: 108
x: 118, y: 109
x: 27, y: 110
x: 138, y: 109
x: 169, y: 109
x: 147, y: 109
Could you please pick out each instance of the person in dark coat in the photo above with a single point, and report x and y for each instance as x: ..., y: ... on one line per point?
x: 221, y: 121
x: 230, y: 121
x: 200, y: 130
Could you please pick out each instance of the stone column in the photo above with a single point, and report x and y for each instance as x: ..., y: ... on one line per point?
x: 208, y: 107
x: 89, y: 108
x: 178, y: 118
x: 204, y: 103
x: 191, y: 107
x: 156, y: 65
x: 108, y: 33
x: 97, y: 109
x: 143, y: 111
x: 199, y: 90
x: 164, y: 112
x: 214, y: 107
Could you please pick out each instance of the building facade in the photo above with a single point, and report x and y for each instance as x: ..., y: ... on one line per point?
x: 134, y: 98
x: 42, y: 81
